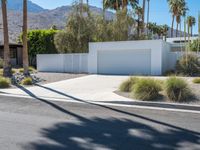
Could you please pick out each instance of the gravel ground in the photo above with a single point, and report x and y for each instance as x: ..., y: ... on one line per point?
x: 55, y: 77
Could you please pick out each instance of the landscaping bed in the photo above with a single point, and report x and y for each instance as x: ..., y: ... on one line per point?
x: 35, y: 78
x: 190, y: 94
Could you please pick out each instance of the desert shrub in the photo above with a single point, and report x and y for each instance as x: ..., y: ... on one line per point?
x: 146, y: 89
x: 177, y: 89
x: 4, y: 82
x: 196, y: 80
x: 31, y: 70
x: 1, y: 71
x: 1, y: 63
x: 27, y: 81
x: 188, y: 65
x: 170, y: 73
x: 194, y: 45
x: 126, y: 86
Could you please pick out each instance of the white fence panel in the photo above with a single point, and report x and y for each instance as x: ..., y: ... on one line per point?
x: 71, y: 63
x: 50, y: 63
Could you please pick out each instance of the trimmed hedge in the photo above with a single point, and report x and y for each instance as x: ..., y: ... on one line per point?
x: 40, y: 42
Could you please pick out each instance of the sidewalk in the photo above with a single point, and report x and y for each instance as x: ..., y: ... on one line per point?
x: 89, y: 88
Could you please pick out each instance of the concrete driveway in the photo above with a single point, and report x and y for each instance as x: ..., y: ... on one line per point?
x: 87, y: 88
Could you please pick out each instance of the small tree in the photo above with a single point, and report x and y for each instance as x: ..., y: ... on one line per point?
x: 78, y: 33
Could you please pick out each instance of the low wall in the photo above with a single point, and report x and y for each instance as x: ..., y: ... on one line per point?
x: 71, y: 63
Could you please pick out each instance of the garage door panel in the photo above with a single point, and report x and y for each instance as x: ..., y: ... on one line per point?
x: 124, y: 62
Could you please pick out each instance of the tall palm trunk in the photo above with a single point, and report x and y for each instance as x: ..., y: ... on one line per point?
x: 191, y: 31
x: 117, y: 5
x: 143, y: 14
x: 148, y: 14
x: 7, y: 63
x: 172, y: 27
x: 25, y: 45
x: 81, y: 7
x: 177, y: 29
x: 124, y: 5
x: 88, y: 8
x: 104, y: 11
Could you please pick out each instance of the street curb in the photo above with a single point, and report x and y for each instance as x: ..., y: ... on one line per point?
x: 156, y: 104
x: 134, y: 103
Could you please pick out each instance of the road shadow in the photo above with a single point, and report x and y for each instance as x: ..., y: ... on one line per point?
x: 113, y: 134
x: 61, y: 109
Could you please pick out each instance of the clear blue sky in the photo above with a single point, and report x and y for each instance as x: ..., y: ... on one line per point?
x: 159, y: 11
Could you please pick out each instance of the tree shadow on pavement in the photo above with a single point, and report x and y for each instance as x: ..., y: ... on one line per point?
x: 111, y: 133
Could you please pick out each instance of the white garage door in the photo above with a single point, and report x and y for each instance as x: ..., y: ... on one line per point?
x: 124, y: 62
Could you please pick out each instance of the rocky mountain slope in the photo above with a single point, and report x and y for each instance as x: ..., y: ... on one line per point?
x: 38, y: 18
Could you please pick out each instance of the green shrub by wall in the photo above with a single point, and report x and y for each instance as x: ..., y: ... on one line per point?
x: 40, y: 42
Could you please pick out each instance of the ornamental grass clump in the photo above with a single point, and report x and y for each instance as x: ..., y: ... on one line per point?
x: 4, y: 82
x: 196, y: 80
x: 177, y: 89
x: 30, y: 69
x: 27, y: 81
x: 146, y: 89
x: 127, y: 85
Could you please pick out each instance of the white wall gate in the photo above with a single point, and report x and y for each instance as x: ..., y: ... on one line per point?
x: 71, y: 63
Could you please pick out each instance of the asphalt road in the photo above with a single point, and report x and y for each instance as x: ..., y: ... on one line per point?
x: 30, y: 124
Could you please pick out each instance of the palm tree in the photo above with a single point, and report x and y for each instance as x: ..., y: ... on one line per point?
x: 143, y: 14
x: 173, y: 5
x: 182, y: 9
x: 81, y: 7
x: 88, y: 7
x: 119, y: 4
x: 7, y: 63
x: 111, y: 4
x: 148, y: 12
x: 165, y: 29
x: 191, y: 21
x: 139, y: 12
x: 25, y: 46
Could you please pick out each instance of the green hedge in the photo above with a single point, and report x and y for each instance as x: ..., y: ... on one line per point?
x: 40, y: 42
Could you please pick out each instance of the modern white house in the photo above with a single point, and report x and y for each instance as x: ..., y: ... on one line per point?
x: 147, y: 57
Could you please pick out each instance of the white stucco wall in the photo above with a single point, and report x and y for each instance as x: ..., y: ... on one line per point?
x: 72, y: 63
x: 154, y: 45
x: 165, y: 56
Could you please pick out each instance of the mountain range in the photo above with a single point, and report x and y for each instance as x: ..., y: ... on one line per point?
x: 38, y: 17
